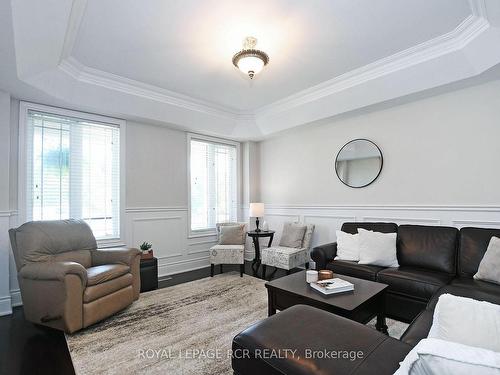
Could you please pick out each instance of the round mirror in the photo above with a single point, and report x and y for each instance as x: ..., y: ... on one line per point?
x: 358, y: 163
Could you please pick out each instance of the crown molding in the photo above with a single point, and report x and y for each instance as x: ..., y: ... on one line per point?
x: 199, y: 115
x: 85, y: 74
x: 469, y: 29
x: 75, y: 19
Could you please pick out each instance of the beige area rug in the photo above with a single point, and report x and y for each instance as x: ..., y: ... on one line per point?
x: 183, y: 329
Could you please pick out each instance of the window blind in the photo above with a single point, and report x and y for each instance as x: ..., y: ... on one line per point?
x: 73, y: 171
x: 213, y: 171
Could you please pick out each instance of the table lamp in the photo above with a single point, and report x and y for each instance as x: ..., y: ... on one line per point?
x: 256, y: 210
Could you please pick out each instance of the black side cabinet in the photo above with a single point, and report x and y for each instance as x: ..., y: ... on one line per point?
x: 149, y: 274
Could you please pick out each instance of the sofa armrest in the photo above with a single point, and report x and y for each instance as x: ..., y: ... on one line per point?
x: 53, y: 271
x: 323, y: 254
x: 123, y: 255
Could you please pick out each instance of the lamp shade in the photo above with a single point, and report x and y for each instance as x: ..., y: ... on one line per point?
x: 256, y: 209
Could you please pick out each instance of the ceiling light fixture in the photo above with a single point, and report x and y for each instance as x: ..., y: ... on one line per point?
x: 250, y: 60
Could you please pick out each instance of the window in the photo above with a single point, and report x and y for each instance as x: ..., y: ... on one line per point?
x: 72, y: 168
x: 213, y: 182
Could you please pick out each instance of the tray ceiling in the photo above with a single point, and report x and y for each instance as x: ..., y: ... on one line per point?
x: 170, y: 61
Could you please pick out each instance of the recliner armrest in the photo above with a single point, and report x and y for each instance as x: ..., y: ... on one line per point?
x: 323, y: 254
x: 53, y: 271
x: 124, y: 256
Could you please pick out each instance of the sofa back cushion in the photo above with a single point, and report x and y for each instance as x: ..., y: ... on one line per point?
x: 375, y: 226
x: 473, y: 245
x: 428, y: 247
x: 40, y: 241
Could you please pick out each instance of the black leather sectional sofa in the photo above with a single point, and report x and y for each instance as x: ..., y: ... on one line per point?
x: 433, y: 260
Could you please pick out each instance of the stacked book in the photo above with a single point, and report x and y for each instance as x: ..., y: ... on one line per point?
x: 332, y: 286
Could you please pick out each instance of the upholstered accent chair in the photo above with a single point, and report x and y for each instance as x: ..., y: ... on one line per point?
x: 228, y: 253
x: 285, y: 257
x: 66, y: 282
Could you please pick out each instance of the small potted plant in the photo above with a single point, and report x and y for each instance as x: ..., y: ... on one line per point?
x: 147, y: 253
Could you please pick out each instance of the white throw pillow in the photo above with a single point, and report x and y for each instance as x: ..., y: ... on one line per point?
x: 489, y: 268
x: 437, y: 357
x: 377, y: 248
x: 467, y: 321
x: 347, y: 246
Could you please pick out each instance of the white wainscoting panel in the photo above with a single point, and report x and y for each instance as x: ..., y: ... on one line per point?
x: 5, y: 297
x: 325, y: 226
x: 329, y: 218
x: 167, y: 229
x: 476, y: 223
x: 164, y: 232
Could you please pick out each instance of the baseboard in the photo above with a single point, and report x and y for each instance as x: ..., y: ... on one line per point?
x: 5, y: 306
x: 15, y: 298
x: 186, y: 265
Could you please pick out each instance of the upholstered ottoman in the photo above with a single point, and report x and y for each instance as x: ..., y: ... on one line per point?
x: 305, y: 340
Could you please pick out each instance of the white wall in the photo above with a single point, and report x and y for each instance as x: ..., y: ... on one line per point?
x: 5, y: 300
x: 157, y: 201
x: 440, y: 154
x: 441, y: 158
x: 156, y: 198
x: 156, y: 166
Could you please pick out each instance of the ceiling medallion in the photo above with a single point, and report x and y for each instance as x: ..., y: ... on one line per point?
x: 250, y: 60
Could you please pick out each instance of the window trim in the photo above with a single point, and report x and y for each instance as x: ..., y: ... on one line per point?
x: 24, y: 107
x: 193, y: 136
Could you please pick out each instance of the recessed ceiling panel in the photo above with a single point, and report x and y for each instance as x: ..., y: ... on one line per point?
x: 186, y: 45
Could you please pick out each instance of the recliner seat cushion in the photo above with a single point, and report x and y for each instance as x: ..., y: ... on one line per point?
x: 100, y: 274
x: 413, y: 282
x: 465, y: 287
x: 91, y: 293
x: 428, y: 247
x: 473, y: 244
x: 350, y: 268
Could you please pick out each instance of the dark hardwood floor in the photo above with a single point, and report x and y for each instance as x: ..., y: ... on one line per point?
x: 26, y: 348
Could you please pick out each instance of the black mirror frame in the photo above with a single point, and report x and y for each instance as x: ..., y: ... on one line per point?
x: 379, y: 171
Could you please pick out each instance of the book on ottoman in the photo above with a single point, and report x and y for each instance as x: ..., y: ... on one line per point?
x: 332, y: 286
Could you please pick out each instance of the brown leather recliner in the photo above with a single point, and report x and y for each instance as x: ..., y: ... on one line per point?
x: 66, y: 282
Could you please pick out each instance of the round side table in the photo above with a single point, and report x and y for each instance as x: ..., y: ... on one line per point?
x: 255, y: 238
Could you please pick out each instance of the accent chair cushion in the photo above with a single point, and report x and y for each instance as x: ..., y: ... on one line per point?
x: 378, y: 249
x: 489, y: 268
x: 467, y: 321
x: 100, y: 274
x: 232, y: 234
x: 293, y: 235
x: 284, y: 257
